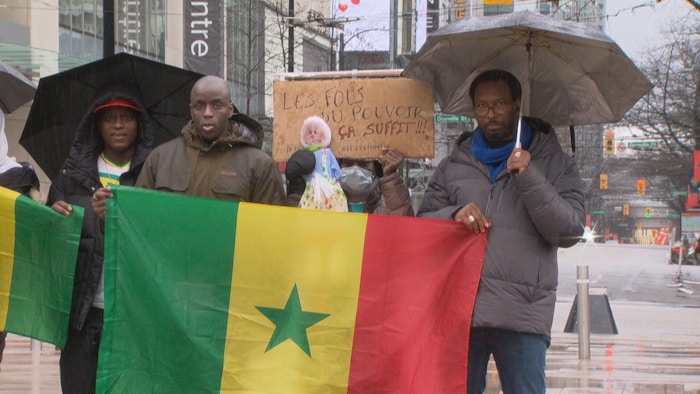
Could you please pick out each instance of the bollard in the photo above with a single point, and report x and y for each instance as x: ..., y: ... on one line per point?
x: 681, y: 253
x: 583, y: 313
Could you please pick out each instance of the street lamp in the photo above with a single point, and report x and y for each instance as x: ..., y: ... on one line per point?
x: 696, y: 109
x: 290, y: 43
x: 108, y: 27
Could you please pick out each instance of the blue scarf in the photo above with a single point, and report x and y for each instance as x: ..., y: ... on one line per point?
x: 496, y: 158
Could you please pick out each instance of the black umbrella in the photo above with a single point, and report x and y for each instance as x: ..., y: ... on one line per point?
x: 62, y: 99
x: 16, y: 88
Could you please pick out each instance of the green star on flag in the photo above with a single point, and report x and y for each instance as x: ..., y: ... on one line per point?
x: 291, y: 322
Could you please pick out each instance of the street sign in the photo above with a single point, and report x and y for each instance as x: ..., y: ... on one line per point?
x: 643, y: 144
x: 677, y: 193
x: 599, y: 212
x: 450, y: 118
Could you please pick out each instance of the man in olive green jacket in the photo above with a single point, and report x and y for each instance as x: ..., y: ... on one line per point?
x: 218, y: 154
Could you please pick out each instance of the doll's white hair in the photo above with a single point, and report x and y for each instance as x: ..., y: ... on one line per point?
x: 316, y: 122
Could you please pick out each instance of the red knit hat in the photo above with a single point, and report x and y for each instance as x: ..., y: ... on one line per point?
x: 117, y: 102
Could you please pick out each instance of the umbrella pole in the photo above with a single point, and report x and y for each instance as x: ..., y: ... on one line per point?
x: 517, y: 133
x: 573, y: 140
x: 517, y: 140
x: 531, y: 73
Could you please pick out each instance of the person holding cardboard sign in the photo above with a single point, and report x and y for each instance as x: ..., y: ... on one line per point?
x: 371, y: 186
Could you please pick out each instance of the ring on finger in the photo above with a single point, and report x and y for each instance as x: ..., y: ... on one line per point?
x: 471, y: 218
x: 94, y: 197
x: 517, y: 154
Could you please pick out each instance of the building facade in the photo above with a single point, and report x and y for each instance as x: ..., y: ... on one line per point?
x: 246, y: 41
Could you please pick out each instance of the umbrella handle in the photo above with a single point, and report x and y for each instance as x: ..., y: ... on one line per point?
x: 518, y: 145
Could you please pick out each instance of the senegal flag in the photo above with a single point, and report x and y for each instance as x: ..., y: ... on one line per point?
x: 212, y: 296
x: 38, y: 251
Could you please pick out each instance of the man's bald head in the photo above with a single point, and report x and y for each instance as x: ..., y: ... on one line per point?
x: 210, y: 82
x: 211, y: 107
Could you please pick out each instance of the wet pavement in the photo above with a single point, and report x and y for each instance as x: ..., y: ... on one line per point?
x: 28, y: 366
x: 656, y: 350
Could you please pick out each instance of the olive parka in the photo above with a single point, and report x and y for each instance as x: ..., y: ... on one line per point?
x: 231, y: 168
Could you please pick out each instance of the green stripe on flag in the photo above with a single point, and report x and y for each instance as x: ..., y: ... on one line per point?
x: 45, y: 252
x: 183, y: 287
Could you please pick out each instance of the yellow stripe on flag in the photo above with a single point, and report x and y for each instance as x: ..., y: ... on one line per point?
x: 269, y: 261
x: 7, y: 248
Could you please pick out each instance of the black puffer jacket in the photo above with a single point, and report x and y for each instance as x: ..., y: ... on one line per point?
x: 78, y: 180
x: 20, y: 179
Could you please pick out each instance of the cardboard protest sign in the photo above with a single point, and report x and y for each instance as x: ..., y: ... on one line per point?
x: 365, y: 114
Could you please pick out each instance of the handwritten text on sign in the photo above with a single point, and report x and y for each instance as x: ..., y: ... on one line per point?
x: 365, y: 114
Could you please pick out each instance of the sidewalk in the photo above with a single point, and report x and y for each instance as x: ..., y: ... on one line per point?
x: 29, y: 367
x: 657, y: 350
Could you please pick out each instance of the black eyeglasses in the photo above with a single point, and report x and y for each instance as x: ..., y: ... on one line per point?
x: 499, y: 108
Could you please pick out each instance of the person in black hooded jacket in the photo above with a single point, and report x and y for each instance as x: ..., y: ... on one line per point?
x: 112, y: 141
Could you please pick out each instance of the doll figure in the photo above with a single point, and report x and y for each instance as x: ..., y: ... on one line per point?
x: 323, y: 189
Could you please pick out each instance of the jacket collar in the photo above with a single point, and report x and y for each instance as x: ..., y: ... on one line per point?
x: 240, y: 130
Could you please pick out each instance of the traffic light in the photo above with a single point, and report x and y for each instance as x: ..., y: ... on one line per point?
x: 609, y: 142
x: 647, y: 212
x: 625, y: 209
x: 603, y: 181
x: 641, y: 187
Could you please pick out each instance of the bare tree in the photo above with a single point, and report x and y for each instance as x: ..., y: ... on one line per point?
x: 670, y: 112
x: 258, y: 39
x: 247, y: 44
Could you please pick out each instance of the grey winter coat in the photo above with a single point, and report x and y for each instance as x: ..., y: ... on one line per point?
x: 532, y: 214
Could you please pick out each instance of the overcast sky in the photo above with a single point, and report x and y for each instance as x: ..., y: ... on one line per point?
x: 634, y: 24
x: 637, y: 24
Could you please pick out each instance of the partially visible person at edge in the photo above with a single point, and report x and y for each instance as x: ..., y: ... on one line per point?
x: 112, y: 142
x: 529, y: 198
x: 218, y: 154
x: 371, y: 186
x: 19, y: 177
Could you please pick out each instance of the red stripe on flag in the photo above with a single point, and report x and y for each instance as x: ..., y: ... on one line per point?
x: 417, y: 292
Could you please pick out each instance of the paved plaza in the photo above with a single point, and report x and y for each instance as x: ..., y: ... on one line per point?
x: 657, y: 348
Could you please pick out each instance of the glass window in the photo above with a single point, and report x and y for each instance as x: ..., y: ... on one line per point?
x: 139, y: 27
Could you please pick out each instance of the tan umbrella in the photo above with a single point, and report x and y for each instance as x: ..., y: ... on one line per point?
x: 572, y: 73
